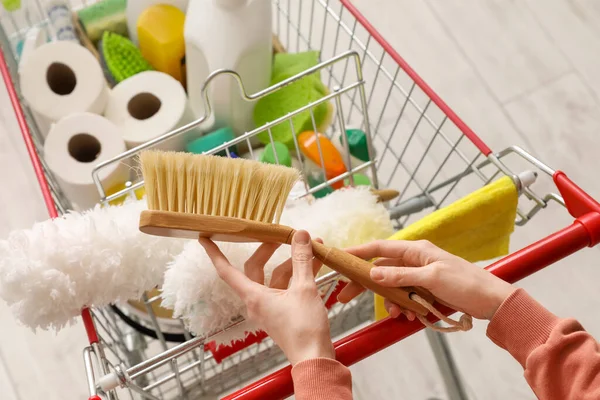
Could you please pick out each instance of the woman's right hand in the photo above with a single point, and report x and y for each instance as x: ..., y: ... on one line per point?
x: 458, y: 283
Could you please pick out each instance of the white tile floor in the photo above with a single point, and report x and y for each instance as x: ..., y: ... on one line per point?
x: 518, y: 72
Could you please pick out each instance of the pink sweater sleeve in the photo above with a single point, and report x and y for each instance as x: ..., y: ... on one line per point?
x: 561, y: 360
x: 322, y: 378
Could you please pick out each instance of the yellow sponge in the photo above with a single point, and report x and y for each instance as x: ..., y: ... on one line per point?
x: 476, y: 227
x: 160, y: 34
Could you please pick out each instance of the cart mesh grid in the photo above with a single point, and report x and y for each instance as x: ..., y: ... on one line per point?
x: 421, y: 148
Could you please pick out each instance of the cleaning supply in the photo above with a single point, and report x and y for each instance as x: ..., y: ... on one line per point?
x: 136, y: 7
x: 292, y: 97
x: 60, y: 20
x: 476, y: 227
x: 211, y: 140
x: 357, y: 146
x: 357, y: 142
x: 317, y: 148
x: 160, y: 35
x: 241, y: 201
x: 99, y: 257
x: 120, y: 58
x: 206, y: 304
x: 234, y: 35
x: 103, y: 16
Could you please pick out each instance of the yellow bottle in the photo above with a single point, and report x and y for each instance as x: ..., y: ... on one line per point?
x: 160, y: 34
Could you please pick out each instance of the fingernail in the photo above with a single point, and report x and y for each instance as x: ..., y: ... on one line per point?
x: 302, y: 237
x: 376, y: 274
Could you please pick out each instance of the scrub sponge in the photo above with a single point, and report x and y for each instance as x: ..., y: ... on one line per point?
x: 293, y: 97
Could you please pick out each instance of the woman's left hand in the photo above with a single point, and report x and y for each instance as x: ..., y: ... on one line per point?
x: 295, y: 316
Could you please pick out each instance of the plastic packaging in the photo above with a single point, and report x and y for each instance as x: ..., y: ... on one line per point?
x: 61, y: 23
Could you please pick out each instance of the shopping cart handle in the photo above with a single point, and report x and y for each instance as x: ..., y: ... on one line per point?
x: 580, y: 205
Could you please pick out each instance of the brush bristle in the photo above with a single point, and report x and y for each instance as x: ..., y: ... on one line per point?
x: 218, y: 186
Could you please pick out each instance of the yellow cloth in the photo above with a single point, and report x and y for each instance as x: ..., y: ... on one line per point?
x: 476, y: 227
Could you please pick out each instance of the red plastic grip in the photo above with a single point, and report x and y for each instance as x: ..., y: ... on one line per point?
x: 90, y: 328
x: 580, y: 205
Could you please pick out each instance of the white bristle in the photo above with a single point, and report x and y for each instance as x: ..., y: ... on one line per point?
x: 217, y: 186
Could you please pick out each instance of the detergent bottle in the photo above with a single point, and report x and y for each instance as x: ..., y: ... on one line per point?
x: 234, y: 35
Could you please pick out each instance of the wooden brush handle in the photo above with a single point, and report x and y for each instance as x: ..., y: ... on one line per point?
x: 384, y: 195
x: 358, y: 270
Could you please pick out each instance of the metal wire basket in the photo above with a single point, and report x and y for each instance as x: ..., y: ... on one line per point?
x: 419, y: 146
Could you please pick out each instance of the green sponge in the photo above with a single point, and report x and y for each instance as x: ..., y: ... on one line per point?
x: 120, y: 57
x: 102, y: 16
x: 292, y: 97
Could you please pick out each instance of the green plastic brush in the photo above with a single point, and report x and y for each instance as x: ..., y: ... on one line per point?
x: 121, y: 59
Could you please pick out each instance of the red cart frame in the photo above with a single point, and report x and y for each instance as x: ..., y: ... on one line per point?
x: 583, y: 232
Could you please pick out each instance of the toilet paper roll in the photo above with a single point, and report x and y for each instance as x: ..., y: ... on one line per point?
x: 61, y: 78
x: 74, y: 146
x: 148, y: 105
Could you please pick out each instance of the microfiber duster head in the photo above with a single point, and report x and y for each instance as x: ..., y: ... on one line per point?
x: 293, y: 97
x: 121, y: 59
x: 95, y: 258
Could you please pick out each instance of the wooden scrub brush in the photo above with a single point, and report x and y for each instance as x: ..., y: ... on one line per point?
x: 239, y: 200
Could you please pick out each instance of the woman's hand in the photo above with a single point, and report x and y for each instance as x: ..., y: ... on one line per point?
x: 295, y: 317
x: 458, y: 283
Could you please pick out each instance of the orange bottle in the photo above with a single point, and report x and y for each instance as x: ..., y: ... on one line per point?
x: 309, y: 143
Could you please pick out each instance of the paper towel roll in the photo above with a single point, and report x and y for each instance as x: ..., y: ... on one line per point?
x: 74, y: 146
x: 147, y: 105
x: 62, y: 78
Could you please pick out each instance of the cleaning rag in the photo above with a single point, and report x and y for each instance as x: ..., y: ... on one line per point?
x: 476, y: 227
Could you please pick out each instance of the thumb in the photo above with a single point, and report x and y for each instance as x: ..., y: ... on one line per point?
x: 398, y: 276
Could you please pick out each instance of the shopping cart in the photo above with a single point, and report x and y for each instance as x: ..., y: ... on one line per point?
x: 421, y: 147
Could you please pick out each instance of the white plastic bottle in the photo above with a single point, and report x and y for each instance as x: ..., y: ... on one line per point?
x: 234, y: 35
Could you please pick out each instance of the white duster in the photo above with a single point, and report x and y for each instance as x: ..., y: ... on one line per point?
x: 49, y: 272
x: 206, y: 304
